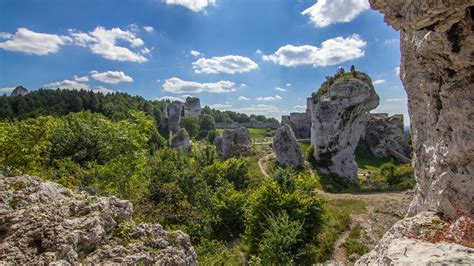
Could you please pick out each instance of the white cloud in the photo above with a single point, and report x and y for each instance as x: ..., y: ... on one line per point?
x: 391, y: 41
x: 194, y: 5
x: 104, y: 42
x: 74, y: 85
x: 81, y: 79
x: 379, y: 81
x: 5, y: 90
x: 111, y: 77
x: 220, y: 106
x: 33, y: 43
x: 229, y: 64
x: 269, y: 98
x: 259, y: 52
x: 171, y: 98
x: 195, y: 53
x: 243, y: 98
x: 288, y: 84
x: 327, y: 12
x: 5, y: 35
x: 299, y: 107
x: 332, y: 52
x: 176, y: 85
x: 148, y: 28
x: 280, y: 89
x: 397, y: 71
x: 396, y: 100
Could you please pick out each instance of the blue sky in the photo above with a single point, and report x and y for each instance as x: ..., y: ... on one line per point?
x: 253, y: 56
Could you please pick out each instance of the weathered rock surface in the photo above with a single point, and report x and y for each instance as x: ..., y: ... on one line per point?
x: 337, y: 124
x: 437, y: 70
x: 192, y: 107
x: 384, y: 134
x: 173, y: 115
x: 181, y: 140
x: 300, y: 123
x: 43, y: 223
x: 19, y: 91
x: 234, y: 143
x: 286, y: 149
x: 398, y: 246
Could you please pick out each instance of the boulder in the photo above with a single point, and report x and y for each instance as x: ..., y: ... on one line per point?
x: 180, y: 140
x: 192, y: 107
x: 337, y: 124
x: 286, y: 149
x: 19, y: 91
x: 45, y: 223
x: 437, y: 47
x: 173, y: 114
x: 385, y: 135
x: 234, y: 143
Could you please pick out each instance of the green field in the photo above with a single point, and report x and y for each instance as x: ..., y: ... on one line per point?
x: 258, y: 135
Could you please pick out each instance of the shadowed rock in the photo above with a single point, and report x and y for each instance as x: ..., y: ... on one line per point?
x: 192, y: 107
x: 234, y: 143
x: 181, y: 140
x: 286, y: 149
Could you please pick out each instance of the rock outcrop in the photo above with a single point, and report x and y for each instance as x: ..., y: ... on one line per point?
x: 234, y: 143
x: 181, y: 140
x: 401, y: 245
x: 337, y: 124
x: 437, y: 66
x: 300, y: 122
x: 173, y: 115
x: 192, y: 107
x: 385, y: 135
x: 19, y: 91
x: 43, y: 223
x: 286, y: 149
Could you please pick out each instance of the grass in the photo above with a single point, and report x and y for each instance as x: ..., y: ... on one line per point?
x: 353, y: 244
x: 368, y: 162
x: 257, y: 134
x: 305, y: 147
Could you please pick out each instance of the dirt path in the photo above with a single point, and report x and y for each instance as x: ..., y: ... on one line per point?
x: 382, y: 210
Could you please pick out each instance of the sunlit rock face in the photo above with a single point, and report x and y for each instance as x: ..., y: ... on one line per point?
x: 43, y: 223
x: 234, y: 143
x: 192, y: 107
x: 338, y: 122
x: 173, y: 114
x: 437, y: 70
x: 286, y: 149
x: 181, y: 140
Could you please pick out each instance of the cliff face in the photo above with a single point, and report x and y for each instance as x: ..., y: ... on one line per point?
x: 437, y: 70
x: 337, y: 124
x: 286, y: 149
x: 43, y: 223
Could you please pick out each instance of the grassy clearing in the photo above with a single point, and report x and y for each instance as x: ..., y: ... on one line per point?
x: 353, y: 244
x: 258, y: 134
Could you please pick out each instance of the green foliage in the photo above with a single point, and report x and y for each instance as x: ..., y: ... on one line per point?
x: 213, y: 252
x: 191, y: 124
x: 207, y: 124
x: 310, y: 156
x: 211, y: 136
x: 279, y: 244
x: 340, y: 75
x: 387, y: 170
x: 353, y: 244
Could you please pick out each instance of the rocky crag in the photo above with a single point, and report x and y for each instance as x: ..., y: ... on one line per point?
x: 338, y: 116
x: 286, y: 149
x: 234, y: 143
x: 300, y: 123
x: 437, y: 42
x: 44, y: 223
x: 384, y: 135
x: 19, y: 91
x: 176, y: 110
x: 181, y: 140
x: 192, y: 107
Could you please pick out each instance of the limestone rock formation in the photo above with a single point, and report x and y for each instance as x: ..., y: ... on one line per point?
x: 43, y: 223
x: 437, y: 66
x: 400, y: 246
x: 300, y: 123
x: 181, y: 140
x: 286, y: 149
x: 385, y: 135
x: 337, y: 124
x: 173, y: 114
x: 192, y: 107
x: 234, y: 143
x: 19, y: 91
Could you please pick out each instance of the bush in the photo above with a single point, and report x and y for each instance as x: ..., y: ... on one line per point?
x: 387, y: 170
x: 191, y: 124
x: 310, y: 156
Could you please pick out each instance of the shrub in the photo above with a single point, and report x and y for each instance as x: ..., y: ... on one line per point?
x: 387, y: 170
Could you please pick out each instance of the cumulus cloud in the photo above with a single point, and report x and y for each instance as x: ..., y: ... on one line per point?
x: 176, y: 85
x: 280, y: 89
x: 379, y: 81
x: 194, y: 5
x: 288, y: 84
x: 327, y: 12
x: 148, y: 28
x: 103, y: 42
x: 269, y: 98
x: 299, y: 107
x: 229, y: 64
x: 243, y: 98
x: 81, y: 79
x: 195, y: 53
x: 332, y: 52
x: 33, y: 43
x: 5, y: 35
x: 111, y: 77
x: 171, y: 98
x: 6, y: 90
x: 74, y: 85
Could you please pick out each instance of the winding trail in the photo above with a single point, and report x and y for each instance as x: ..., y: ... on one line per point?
x: 382, y: 210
